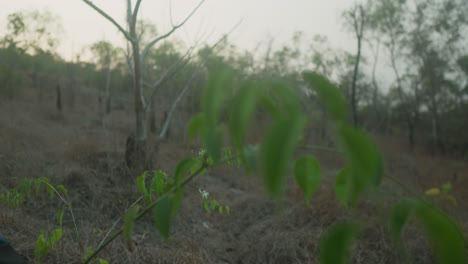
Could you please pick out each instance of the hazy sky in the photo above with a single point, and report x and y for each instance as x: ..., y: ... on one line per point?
x: 262, y: 19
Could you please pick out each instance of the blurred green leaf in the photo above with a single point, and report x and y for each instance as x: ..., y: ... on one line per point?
x: 335, y: 246
x: 103, y: 261
x: 141, y: 185
x: 196, y: 125
x: 446, y: 238
x: 158, y: 183
x: 366, y: 164
x: 217, y: 86
x: 399, y: 217
x: 308, y: 175
x: 60, y: 217
x: 213, y: 140
x: 341, y: 186
x: 244, y: 104
x: 183, y: 167
x: 328, y: 94
x: 432, y: 192
x: 162, y: 216
x: 41, y: 250
x: 129, y: 222
x: 276, y: 150
x: 446, y: 187
x: 55, y: 237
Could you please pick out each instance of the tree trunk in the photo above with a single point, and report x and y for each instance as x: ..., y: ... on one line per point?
x: 108, y: 84
x: 353, y: 85
x: 58, y: 103
x: 138, y: 153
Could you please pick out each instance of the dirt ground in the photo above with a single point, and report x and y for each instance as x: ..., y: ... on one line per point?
x: 85, y: 154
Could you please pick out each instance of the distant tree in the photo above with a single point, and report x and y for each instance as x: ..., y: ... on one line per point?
x: 357, y: 18
x: 106, y: 57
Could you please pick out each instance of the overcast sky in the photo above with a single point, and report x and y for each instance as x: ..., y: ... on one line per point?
x: 261, y: 20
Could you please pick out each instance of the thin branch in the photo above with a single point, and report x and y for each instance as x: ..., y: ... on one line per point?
x: 165, y: 127
x: 148, y: 209
x: 135, y: 12
x: 105, y: 15
x: 118, y: 220
x: 227, y: 34
x: 69, y: 208
x: 172, y: 70
x: 164, y: 36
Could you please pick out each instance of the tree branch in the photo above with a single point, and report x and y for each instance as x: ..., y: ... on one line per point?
x: 110, y: 19
x: 135, y: 12
x: 165, y: 127
x: 167, y: 34
x: 173, y: 69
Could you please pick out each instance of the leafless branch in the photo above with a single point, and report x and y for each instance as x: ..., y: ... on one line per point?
x: 166, y: 124
x: 135, y: 12
x: 105, y: 15
x: 167, y: 34
x: 227, y: 34
x: 172, y: 70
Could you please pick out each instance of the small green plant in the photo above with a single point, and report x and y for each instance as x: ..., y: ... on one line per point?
x: 30, y: 188
x: 45, y: 243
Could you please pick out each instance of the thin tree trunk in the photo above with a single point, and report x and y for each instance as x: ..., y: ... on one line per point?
x: 58, y: 103
x: 108, y: 92
x: 353, y: 85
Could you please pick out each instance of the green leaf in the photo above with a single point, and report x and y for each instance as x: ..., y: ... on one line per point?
x: 213, y: 140
x: 162, y: 216
x: 60, y: 217
x: 249, y: 157
x: 308, y: 175
x: 103, y: 261
x: 341, y: 186
x: 213, y: 204
x: 141, y: 185
x: 276, y: 150
x: 214, y: 92
x: 206, y: 206
x: 432, y: 192
x: 41, y: 250
x: 129, y: 222
x: 336, y: 244
x: 446, y: 187
x: 244, y: 104
x: 399, y: 217
x: 366, y: 164
x: 158, y: 182
x: 228, y: 209
x: 196, y: 125
x: 50, y: 190
x: 329, y: 95
x: 177, y: 200
x: 62, y: 189
x: 446, y: 238
x: 55, y: 237
x: 183, y: 167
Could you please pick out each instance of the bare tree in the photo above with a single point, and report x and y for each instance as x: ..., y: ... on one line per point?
x: 138, y: 54
x: 356, y: 16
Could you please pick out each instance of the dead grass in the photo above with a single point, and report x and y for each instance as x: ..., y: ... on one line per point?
x: 76, y: 150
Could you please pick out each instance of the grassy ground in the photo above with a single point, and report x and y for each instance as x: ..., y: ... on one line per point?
x: 75, y: 149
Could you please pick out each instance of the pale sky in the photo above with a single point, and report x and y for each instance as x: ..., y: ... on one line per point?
x: 262, y: 19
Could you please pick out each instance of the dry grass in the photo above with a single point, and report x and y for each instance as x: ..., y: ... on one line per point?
x: 76, y: 150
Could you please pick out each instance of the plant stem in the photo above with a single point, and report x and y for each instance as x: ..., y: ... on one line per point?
x: 71, y: 212
x: 146, y: 210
